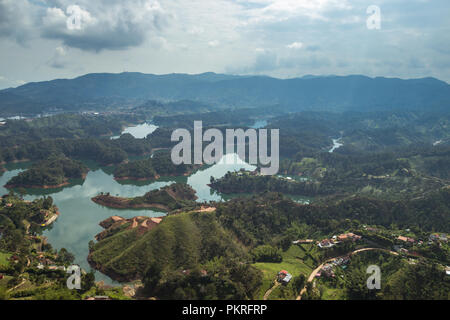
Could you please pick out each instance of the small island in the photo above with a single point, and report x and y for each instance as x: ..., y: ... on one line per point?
x: 53, y: 172
x: 175, y: 196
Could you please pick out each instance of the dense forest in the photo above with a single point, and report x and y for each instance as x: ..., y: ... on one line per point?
x: 67, y: 126
x: 52, y: 172
x: 160, y: 164
x: 172, y: 197
x: 394, y: 175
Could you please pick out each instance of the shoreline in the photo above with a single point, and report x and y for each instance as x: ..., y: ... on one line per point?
x: 123, y: 203
x: 29, y: 186
x: 15, y: 186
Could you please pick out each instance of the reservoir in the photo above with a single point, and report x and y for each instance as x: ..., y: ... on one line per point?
x: 336, y: 144
x: 140, y: 131
x: 79, y: 220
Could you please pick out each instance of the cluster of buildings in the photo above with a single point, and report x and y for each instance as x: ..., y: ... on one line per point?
x: 328, y: 268
x: 45, y: 262
x: 406, y: 239
x: 328, y: 243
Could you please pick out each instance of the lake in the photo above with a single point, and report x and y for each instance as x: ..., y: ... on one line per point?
x: 336, y: 144
x: 79, y: 220
x: 140, y: 131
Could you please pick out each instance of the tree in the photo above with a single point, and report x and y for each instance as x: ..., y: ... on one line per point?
x: 65, y: 257
x: 48, y: 202
x: 299, y: 282
x: 87, y: 281
x: 152, y: 276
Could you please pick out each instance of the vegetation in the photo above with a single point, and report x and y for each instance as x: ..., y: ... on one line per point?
x: 159, y: 165
x: 53, y: 172
x: 179, y: 242
x: 175, y: 196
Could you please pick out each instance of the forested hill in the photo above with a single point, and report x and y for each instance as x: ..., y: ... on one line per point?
x: 332, y: 93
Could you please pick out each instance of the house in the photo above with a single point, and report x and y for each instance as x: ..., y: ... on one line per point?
x: 341, y: 261
x: 438, y: 237
x: 302, y: 241
x: 327, y: 270
x: 349, y: 236
x: 284, y: 277
x: 54, y: 268
x: 325, y: 243
x: 433, y: 237
x: 406, y: 239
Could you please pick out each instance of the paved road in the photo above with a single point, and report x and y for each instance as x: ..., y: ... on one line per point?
x: 315, y: 271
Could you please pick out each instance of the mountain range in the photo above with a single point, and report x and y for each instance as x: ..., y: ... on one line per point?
x: 104, y: 91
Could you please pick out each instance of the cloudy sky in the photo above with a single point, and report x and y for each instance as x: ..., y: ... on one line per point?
x: 47, y: 39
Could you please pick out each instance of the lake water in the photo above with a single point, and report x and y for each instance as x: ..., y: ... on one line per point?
x: 140, y: 131
x: 79, y: 220
x: 336, y: 144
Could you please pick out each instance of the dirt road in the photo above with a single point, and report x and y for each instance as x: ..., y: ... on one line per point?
x: 268, y: 292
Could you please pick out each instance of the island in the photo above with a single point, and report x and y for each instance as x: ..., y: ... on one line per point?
x: 53, y: 172
x: 160, y: 164
x: 251, y: 182
x: 175, y: 196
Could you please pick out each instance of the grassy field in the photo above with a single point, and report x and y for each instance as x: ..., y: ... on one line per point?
x: 4, y: 258
x: 295, y: 260
x: 333, y: 294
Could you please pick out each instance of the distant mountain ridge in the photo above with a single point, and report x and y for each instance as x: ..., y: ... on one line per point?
x: 331, y: 93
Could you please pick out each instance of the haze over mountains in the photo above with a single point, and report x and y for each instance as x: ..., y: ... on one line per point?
x: 328, y: 93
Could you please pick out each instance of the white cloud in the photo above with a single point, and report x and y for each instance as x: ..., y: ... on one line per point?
x: 196, y: 30
x: 295, y: 45
x: 104, y: 24
x: 249, y: 36
x: 17, y: 20
x: 58, y: 60
x: 213, y: 43
x: 280, y: 10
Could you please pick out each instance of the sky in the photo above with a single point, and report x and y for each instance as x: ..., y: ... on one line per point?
x: 47, y: 39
